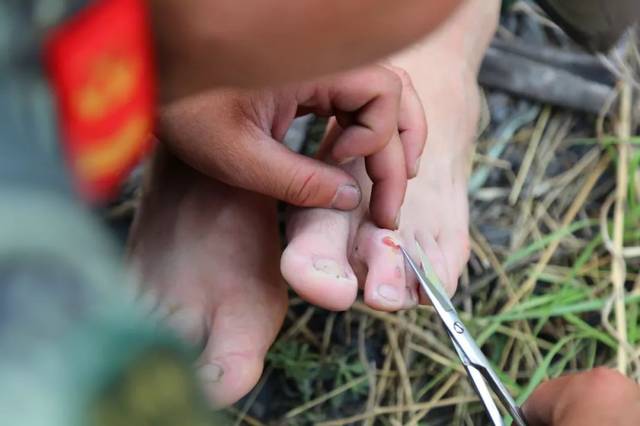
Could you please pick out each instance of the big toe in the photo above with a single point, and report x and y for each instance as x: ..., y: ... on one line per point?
x: 242, y: 329
x: 315, y: 261
x: 386, y: 287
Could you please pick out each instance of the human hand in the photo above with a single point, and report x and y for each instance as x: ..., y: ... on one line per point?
x: 235, y: 136
x: 593, y: 398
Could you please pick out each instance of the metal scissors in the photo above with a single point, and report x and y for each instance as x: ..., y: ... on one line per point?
x: 474, y: 361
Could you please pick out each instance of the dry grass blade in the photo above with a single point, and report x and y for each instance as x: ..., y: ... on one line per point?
x: 413, y: 421
x: 569, y: 217
x: 400, y: 363
x: 618, y: 267
x: 536, y: 137
x: 401, y: 409
x: 323, y: 398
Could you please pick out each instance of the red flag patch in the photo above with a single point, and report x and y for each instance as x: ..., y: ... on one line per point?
x: 100, y: 67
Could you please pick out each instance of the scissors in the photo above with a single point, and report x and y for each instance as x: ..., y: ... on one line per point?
x: 474, y: 361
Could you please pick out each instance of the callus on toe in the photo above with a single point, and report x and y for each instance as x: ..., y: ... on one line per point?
x: 330, y: 267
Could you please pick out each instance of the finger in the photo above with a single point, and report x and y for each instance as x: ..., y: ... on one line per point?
x: 539, y: 408
x: 388, y: 174
x: 258, y: 163
x: 412, y: 124
x: 332, y: 132
x: 296, y: 179
x: 597, y: 397
x: 365, y: 102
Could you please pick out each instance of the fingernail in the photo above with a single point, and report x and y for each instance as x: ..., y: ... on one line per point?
x: 211, y: 373
x: 416, y: 168
x: 346, y: 160
x: 329, y: 267
x: 388, y: 293
x: 347, y: 198
x: 397, y: 222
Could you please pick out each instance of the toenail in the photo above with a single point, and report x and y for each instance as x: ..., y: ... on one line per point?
x: 389, y: 293
x: 329, y: 267
x: 211, y: 373
x: 347, y: 198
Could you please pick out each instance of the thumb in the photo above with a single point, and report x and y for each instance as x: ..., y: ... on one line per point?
x: 263, y: 165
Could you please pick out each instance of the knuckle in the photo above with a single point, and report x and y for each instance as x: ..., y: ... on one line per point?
x: 302, y: 187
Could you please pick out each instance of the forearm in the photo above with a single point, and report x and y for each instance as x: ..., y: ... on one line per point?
x: 200, y: 43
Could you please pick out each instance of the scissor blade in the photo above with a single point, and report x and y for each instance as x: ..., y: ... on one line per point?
x: 474, y: 356
x: 505, y: 397
x: 485, y: 395
x: 429, y: 283
x: 480, y: 371
x: 480, y: 386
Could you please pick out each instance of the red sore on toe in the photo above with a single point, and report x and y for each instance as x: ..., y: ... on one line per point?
x: 388, y: 241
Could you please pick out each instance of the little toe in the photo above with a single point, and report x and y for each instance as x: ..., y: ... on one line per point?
x: 386, y: 286
x: 315, y: 261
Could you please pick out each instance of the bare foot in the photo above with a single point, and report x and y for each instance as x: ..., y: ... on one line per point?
x: 208, y: 253
x: 328, y: 251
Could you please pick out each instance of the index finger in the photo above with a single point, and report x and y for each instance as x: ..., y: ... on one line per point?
x: 366, y: 104
x: 388, y: 174
x: 412, y: 124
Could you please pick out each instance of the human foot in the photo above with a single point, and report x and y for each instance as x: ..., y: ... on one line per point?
x: 328, y: 249
x: 330, y: 252
x: 208, y: 254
